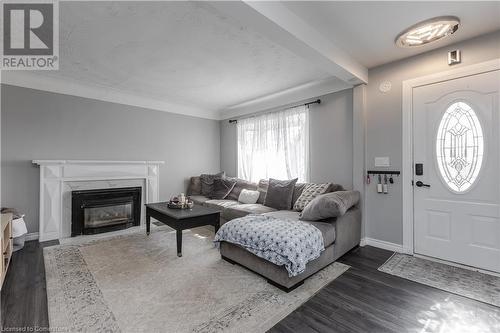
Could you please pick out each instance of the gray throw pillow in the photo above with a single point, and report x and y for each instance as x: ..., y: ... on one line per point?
x: 262, y: 188
x: 297, y: 191
x: 194, y: 187
x: 222, y: 188
x: 329, y: 205
x: 207, y: 183
x: 310, y: 192
x: 335, y: 188
x: 280, y: 194
x: 240, y: 185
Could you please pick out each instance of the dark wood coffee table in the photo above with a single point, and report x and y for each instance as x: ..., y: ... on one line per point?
x: 181, y: 219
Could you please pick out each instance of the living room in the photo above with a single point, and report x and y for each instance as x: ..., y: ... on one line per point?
x: 250, y: 166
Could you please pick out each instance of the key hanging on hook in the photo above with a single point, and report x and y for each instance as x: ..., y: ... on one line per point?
x: 385, y: 187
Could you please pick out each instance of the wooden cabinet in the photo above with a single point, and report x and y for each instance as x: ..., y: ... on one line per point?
x: 5, y: 244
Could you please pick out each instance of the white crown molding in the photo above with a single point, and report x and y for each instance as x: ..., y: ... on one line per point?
x: 69, y: 87
x: 26, y: 79
x: 98, y: 162
x: 286, y: 97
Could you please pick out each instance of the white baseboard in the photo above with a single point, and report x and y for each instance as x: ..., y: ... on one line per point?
x: 382, y: 244
x: 364, y: 241
x: 32, y: 236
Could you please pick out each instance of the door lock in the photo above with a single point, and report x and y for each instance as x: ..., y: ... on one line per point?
x: 421, y: 184
x: 419, y: 169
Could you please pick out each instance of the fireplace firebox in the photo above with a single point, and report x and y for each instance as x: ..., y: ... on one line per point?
x: 103, y: 210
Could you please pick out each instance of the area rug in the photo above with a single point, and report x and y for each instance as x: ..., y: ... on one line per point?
x: 479, y: 286
x: 136, y: 283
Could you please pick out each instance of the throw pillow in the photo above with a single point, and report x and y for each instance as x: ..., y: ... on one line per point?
x: 222, y: 188
x: 280, y: 194
x: 297, y: 191
x: 248, y: 196
x: 336, y: 187
x: 194, y: 187
x: 329, y: 205
x: 310, y: 192
x: 240, y: 185
x: 262, y: 188
x: 207, y: 183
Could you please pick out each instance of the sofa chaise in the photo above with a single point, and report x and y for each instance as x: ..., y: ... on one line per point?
x: 340, y: 234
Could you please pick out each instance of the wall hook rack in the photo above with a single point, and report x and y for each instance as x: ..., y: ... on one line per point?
x: 384, y: 172
x: 382, y: 187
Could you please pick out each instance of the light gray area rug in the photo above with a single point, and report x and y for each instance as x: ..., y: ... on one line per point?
x: 479, y: 286
x: 136, y: 283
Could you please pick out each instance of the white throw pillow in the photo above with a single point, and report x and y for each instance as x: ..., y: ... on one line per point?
x: 248, y: 196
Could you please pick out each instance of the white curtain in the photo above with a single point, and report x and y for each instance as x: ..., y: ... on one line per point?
x: 274, y: 145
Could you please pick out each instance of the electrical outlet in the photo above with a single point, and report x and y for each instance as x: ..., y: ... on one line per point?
x: 382, y: 161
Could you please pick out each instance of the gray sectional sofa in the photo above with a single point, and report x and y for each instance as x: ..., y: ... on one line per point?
x: 340, y: 234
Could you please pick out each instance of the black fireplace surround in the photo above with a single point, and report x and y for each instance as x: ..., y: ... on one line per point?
x: 103, y: 210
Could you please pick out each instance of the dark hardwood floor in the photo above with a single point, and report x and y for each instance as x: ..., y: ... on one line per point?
x: 360, y: 300
x: 366, y: 300
x: 24, y: 299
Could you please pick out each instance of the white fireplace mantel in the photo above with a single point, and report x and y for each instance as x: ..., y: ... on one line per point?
x: 55, y: 173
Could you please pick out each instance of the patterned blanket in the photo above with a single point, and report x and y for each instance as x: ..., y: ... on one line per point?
x: 283, y: 242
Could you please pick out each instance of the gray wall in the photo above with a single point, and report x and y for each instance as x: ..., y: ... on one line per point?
x: 384, y: 129
x: 44, y: 125
x: 228, y: 148
x: 330, y: 140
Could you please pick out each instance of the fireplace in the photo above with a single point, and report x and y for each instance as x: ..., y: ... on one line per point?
x: 103, y: 210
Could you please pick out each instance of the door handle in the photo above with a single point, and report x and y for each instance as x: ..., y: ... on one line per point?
x: 420, y: 184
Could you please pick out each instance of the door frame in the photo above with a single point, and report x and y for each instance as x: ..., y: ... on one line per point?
x: 407, y: 140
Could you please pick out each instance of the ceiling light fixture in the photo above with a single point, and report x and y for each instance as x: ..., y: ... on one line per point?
x: 428, y: 31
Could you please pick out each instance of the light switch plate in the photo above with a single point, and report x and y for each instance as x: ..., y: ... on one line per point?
x: 382, y: 161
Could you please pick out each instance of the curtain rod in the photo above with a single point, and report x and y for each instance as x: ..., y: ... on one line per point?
x: 318, y: 101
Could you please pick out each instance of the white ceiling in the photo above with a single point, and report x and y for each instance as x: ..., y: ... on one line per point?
x: 367, y: 30
x: 219, y: 59
x: 181, y: 52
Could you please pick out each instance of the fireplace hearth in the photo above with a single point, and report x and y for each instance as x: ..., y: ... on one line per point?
x: 103, y: 210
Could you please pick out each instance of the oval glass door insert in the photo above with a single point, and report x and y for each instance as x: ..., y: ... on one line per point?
x: 459, y: 147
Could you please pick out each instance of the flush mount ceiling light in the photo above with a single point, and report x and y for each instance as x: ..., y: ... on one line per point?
x: 428, y: 31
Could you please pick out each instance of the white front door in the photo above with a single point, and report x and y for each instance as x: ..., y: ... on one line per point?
x: 456, y: 141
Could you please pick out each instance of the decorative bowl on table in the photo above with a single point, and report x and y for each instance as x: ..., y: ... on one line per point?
x: 175, y: 203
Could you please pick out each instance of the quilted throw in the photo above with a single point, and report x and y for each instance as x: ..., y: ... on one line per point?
x: 283, y: 242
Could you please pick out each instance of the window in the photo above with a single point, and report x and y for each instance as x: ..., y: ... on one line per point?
x: 459, y: 147
x: 274, y: 145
